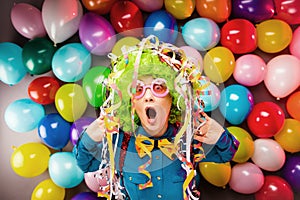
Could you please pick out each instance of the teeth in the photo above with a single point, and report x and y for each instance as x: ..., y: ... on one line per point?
x: 151, y: 113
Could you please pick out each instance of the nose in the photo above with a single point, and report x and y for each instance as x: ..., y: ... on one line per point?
x: 148, y: 96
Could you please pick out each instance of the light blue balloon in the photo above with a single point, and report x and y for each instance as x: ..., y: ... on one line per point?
x: 23, y: 115
x: 211, y: 97
x: 64, y: 171
x: 71, y: 62
x: 236, y: 103
x: 201, y: 33
x: 12, y: 69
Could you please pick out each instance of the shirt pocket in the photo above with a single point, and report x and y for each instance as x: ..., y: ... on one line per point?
x: 131, y: 183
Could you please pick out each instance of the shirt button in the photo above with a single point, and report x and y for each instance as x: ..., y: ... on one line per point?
x: 156, y: 157
x: 159, y: 196
x: 130, y: 178
x: 158, y: 177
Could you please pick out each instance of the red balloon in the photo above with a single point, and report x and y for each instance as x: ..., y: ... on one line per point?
x: 266, y: 119
x: 42, y: 90
x: 275, y: 188
x: 127, y: 19
x: 288, y: 11
x: 239, y: 35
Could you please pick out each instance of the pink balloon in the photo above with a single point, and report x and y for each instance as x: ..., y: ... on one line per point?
x: 96, y: 34
x: 295, y: 43
x: 194, y: 56
x: 246, y: 178
x: 268, y: 154
x: 27, y: 20
x: 249, y: 70
x: 61, y: 18
x: 282, y: 76
x: 94, y: 181
x: 149, y: 6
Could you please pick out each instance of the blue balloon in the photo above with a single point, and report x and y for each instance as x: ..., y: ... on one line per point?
x: 11, y: 64
x: 64, y: 171
x: 54, y: 131
x: 23, y: 115
x: 201, y: 33
x: 85, y: 196
x: 71, y: 62
x: 236, y: 103
x: 163, y: 25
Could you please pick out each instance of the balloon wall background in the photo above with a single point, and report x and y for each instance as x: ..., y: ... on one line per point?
x: 53, y: 60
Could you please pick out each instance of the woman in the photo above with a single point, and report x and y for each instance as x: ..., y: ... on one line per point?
x: 152, y: 131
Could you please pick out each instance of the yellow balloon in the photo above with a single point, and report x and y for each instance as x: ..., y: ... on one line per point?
x: 30, y: 159
x: 289, y: 136
x: 180, y: 9
x: 70, y: 101
x: 217, y: 174
x: 246, y: 147
x: 48, y: 190
x: 124, y: 42
x: 219, y: 63
x: 273, y: 35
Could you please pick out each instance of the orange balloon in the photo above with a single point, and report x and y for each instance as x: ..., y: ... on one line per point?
x: 289, y: 136
x: 217, y: 10
x: 217, y: 174
x: 100, y: 7
x: 293, y: 105
x: 180, y: 9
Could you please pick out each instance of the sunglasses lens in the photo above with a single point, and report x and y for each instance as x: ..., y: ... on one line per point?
x: 139, y: 89
x: 159, y: 88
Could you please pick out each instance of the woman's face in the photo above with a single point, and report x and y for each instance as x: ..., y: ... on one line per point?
x: 153, y: 105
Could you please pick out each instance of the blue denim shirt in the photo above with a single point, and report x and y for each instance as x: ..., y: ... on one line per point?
x: 167, y: 175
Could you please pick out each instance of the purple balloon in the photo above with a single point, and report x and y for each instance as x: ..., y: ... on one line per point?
x: 86, y: 196
x: 291, y: 172
x: 253, y: 10
x: 96, y: 34
x: 78, y: 126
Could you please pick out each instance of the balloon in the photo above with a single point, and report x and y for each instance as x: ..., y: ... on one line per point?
x: 246, y: 147
x: 282, y: 78
x: 30, y: 159
x: 127, y: 19
x: 70, y: 101
x: 71, y: 62
x: 78, y: 126
x: 27, y: 20
x: 211, y: 97
x: 163, y: 25
x: 93, y: 181
x: 249, y: 70
x: 96, y: 34
x: 100, y: 7
x: 266, y: 119
x: 201, y: 33
x: 23, y: 115
x: 268, y: 154
x: 291, y: 172
x: 239, y: 35
x: 295, y: 43
x: 53, y: 130
x: 293, y: 105
x: 149, y: 6
x: 246, y: 178
x: 217, y: 174
x: 255, y: 11
x: 63, y: 170
x: 236, y: 103
x: 11, y: 64
x: 273, y: 35
x: 85, y: 196
x: 288, y: 11
x: 61, y: 18
x: 48, y: 190
x: 42, y: 90
x: 289, y: 136
x: 37, y: 55
x: 180, y: 9
x: 194, y: 56
x: 219, y: 64
x: 92, y: 84
x: 124, y: 42
x: 275, y: 188
x: 219, y: 11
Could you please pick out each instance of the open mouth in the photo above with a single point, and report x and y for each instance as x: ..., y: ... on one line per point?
x: 151, y: 113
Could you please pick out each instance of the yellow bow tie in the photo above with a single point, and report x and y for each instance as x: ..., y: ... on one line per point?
x: 145, y: 145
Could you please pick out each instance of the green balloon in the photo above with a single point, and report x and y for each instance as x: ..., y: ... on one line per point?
x: 93, y: 87
x: 37, y: 55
